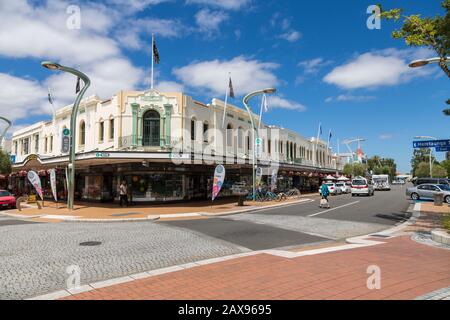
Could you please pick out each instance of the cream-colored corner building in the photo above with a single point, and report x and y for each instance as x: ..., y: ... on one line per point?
x: 166, y: 146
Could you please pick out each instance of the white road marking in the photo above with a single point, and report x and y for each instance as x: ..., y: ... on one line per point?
x: 345, y: 205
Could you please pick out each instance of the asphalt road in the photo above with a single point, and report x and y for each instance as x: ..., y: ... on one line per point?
x: 34, y: 256
x: 306, y: 223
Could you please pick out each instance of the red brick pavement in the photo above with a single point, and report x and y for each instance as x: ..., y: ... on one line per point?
x: 408, y: 270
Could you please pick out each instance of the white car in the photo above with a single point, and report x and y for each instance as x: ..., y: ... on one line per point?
x: 362, y: 186
x: 344, y: 187
x: 334, y: 190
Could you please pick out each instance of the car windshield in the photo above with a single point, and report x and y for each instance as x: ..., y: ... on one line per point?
x: 444, y: 187
x: 358, y: 182
x: 4, y: 194
x: 339, y: 184
x: 330, y: 184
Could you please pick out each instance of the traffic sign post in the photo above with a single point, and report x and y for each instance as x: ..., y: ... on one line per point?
x: 431, y: 144
x: 65, y: 141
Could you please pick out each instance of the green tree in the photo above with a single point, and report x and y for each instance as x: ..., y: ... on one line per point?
x: 355, y: 169
x: 446, y: 165
x: 419, y: 156
x: 439, y: 171
x: 430, y: 32
x: 5, y: 163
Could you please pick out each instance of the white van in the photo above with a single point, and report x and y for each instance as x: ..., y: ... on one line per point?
x: 362, y: 186
x: 381, y: 182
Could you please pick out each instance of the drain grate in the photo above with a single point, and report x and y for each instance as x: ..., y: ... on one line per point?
x: 90, y: 243
x: 380, y: 235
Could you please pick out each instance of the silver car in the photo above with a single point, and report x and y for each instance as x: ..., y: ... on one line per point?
x: 427, y: 191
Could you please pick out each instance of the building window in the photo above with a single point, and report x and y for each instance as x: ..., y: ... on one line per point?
x: 82, y: 141
x: 193, y: 129
x: 26, y: 146
x: 151, y: 129
x: 101, y: 131
x: 229, y: 135
x: 51, y: 144
x: 269, y: 146
x: 111, y: 129
x: 36, y: 144
x: 45, y: 145
x: 15, y: 147
x: 240, y: 138
x: 205, y: 131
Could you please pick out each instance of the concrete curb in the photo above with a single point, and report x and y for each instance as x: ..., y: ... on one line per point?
x: 440, y: 236
x: 163, y: 216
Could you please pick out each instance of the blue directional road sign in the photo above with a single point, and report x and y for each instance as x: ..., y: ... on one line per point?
x: 431, y: 144
x: 442, y: 149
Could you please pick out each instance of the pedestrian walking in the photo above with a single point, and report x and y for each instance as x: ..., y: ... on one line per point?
x: 123, y: 193
x: 325, y: 193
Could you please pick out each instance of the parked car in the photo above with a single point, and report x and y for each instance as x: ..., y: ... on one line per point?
x: 427, y: 191
x: 345, y: 188
x: 399, y: 181
x: 362, y: 186
x: 334, y: 190
x: 419, y: 181
x: 7, y: 200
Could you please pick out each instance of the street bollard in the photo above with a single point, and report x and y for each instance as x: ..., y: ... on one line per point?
x: 439, y: 199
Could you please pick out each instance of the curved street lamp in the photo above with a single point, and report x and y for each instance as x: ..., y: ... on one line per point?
x: 431, y: 152
x: 71, y: 167
x: 3, y: 135
x: 424, y: 62
x: 255, y: 130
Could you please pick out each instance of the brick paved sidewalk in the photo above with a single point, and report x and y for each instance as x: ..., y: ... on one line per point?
x: 408, y: 270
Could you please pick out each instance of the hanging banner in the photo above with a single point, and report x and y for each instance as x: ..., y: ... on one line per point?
x: 219, y: 178
x: 53, y: 183
x: 34, y: 179
x: 273, y: 180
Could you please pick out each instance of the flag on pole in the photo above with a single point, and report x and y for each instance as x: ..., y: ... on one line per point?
x: 77, y: 88
x: 230, y: 86
x: 320, y: 129
x: 228, y: 93
x: 155, y: 52
x: 50, y: 97
x: 264, y: 108
x: 329, y: 137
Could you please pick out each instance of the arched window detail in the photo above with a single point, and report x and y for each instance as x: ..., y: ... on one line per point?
x: 229, y: 135
x: 151, y: 122
x: 82, y: 140
x: 240, y: 138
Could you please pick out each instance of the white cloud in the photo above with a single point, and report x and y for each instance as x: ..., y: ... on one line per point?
x: 40, y: 32
x: 225, y: 4
x: 312, y: 66
x: 247, y: 75
x: 281, y: 103
x: 385, y: 136
x: 20, y: 97
x: 209, y: 21
x: 372, y: 69
x: 169, y: 86
x: 350, y: 98
x: 291, y: 36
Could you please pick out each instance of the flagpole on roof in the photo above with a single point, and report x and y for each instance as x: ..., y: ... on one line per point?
x: 226, y: 101
x: 263, y: 108
x: 153, y: 59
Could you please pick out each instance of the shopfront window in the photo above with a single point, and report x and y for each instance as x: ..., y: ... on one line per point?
x: 156, y: 187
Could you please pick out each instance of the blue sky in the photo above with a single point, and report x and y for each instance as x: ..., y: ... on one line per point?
x: 327, y: 65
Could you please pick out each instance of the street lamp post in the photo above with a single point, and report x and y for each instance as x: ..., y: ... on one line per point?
x: 71, y: 166
x: 255, y: 130
x: 431, y: 152
x: 3, y: 134
x: 424, y: 62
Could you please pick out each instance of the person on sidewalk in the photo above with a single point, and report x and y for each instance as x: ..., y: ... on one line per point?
x: 325, y: 193
x: 123, y: 193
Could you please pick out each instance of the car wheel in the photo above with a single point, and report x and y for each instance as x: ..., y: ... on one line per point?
x: 415, y: 196
x: 447, y: 199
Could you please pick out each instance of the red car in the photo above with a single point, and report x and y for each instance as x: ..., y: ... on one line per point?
x: 7, y: 200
